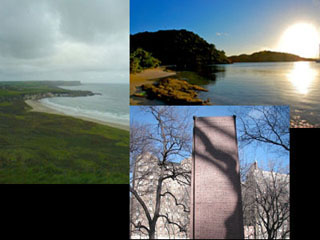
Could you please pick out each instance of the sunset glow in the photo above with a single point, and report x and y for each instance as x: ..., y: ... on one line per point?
x: 302, y: 39
x: 302, y: 76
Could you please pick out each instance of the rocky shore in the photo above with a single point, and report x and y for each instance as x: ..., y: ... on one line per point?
x: 297, y: 122
x: 173, y: 91
x: 52, y: 94
x: 37, y: 96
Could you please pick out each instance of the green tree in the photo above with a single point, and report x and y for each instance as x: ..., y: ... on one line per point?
x: 141, y: 59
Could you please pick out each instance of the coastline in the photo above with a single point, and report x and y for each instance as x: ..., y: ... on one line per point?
x: 158, y: 86
x: 144, y: 77
x: 37, y: 106
x: 297, y: 122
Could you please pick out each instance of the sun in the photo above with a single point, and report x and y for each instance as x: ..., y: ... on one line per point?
x: 302, y: 39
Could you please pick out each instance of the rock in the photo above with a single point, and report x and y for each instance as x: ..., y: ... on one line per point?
x: 175, y: 91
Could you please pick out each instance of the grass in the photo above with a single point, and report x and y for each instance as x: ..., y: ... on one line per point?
x: 47, y: 148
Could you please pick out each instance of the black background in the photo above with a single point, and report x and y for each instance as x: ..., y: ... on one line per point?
x: 304, y: 182
x: 64, y: 211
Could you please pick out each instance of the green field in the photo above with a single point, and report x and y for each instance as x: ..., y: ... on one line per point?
x: 47, y: 148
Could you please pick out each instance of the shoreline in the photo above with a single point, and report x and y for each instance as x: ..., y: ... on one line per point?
x: 144, y: 77
x: 161, y: 86
x: 297, y: 122
x: 37, y: 106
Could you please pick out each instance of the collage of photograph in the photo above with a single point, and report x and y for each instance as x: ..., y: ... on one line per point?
x: 190, y: 105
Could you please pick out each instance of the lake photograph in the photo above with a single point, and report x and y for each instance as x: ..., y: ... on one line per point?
x: 227, y: 53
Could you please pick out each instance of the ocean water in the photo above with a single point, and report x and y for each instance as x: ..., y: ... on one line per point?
x: 296, y: 84
x: 111, y: 106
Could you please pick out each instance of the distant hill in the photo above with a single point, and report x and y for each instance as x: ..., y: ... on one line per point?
x: 267, y: 56
x: 182, y: 48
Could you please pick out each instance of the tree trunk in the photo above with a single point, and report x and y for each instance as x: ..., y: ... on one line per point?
x: 152, y: 231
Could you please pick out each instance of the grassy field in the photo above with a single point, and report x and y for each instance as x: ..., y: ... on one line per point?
x: 46, y: 148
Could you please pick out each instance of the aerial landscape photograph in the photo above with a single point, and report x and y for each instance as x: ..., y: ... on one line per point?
x: 227, y: 53
x: 64, y: 92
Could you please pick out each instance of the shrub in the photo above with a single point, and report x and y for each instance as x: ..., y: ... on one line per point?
x: 141, y: 59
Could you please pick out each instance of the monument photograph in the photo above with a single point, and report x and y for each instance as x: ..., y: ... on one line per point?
x: 215, y: 172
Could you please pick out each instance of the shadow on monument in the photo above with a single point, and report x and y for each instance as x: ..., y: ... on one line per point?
x: 225, y: 159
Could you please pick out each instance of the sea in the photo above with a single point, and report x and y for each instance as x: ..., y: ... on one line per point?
x: 296, y: 84
x: 111, y: 105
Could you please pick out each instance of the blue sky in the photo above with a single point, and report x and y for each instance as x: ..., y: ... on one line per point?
x: 236, y: 27
x: 251, y: 153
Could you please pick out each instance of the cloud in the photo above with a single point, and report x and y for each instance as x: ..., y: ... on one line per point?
x: 73, y: 37
x: 255, y: 114
x: 28, y: 29
x: 92, y: 21
x: 222, y: 34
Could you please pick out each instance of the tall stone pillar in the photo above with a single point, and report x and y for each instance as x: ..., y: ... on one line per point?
x: 216, y: 208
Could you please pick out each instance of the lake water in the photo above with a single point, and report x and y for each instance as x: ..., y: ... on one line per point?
x: 296, y: 84
x: 111, y: 106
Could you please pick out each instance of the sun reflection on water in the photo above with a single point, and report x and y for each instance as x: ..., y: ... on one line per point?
x: 302, y: 76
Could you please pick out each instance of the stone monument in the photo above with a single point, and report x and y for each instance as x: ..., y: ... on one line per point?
x: 216, y: 208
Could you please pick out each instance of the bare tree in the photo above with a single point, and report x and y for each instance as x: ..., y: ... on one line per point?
x: 154, y: 148
x: 265, y: 124
x: 265, y: 194
x: 266, y: 202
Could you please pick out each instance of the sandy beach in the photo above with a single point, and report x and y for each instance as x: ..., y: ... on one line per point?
x: 37, y: 106
x: 146, y: 76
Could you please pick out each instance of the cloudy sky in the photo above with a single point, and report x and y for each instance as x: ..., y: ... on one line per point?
x: 83, y: 40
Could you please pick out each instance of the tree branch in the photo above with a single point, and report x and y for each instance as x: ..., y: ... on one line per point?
x: 176, y: 201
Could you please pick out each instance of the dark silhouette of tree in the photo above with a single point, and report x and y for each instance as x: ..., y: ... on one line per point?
x: 182, y: 48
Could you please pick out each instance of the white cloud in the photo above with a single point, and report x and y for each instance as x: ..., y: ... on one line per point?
x: 66, y: 39
x: 255, y: 113
x: 222, y: 34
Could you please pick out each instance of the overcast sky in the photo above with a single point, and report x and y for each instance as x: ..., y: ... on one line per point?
x: 85, y: 40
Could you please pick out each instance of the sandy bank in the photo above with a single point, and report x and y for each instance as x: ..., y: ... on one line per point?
x: 37, y: 106
x: 146, y: 76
